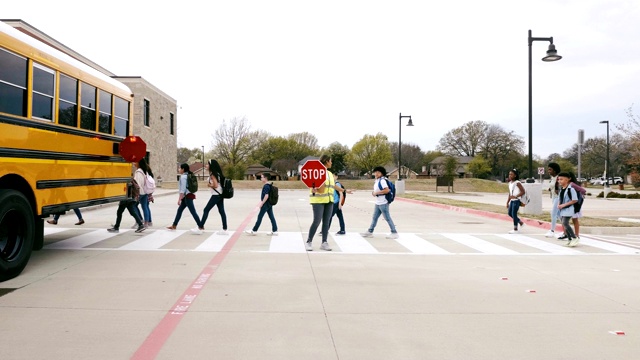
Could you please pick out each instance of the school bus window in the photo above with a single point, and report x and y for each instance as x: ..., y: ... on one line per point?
x: 43, y: 86
x: 104, y: 116
x: 121, y: 112
x: 68, y: 103
x: 13, y: 84
x: 87, y: 107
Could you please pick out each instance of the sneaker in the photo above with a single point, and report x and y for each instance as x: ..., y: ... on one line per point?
x: 366, y: 234
x: 340, y: 232
x: 573, y: 242
x: 141, y: 228
x: 521, y: 224
x: 562, y: 237
x: 171, y: 227
x: 393, y: 236
x: 222, y: 232
x: 307, y: 246
x: 196, y: 231
x: 52, y: 222
x: 272, y: 233
x: 250, y: 232
x: 325, y: 246
x: 549, y: 234
x: 113, y: 230
x: 80, y: 222
x: 514, y: 231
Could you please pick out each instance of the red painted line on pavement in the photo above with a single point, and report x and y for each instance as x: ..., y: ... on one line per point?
x: 158, y: 337
x: 488, y: 214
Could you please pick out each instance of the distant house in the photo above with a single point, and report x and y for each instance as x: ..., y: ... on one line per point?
x: 254, y: 171
x: 406, y: 173
x: 198, y: 169
x: 436, y: 167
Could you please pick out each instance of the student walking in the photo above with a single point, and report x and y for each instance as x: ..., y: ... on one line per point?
x: 265, y: 207
x: 516, y: 190
x: 131, y: 204
x: 321, y: 200
x: 185, y: 200
x: 57, y: 216
x: 568, y: 197
x: 381, y: 207
x: 141, y: 177
x: 338, y: 202
x: 216, y: 179
x: 554, y: 190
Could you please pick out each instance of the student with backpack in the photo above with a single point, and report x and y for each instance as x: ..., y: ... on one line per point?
x: 339, y: 196
x: 144, y: 178
x: 516, y: 191
x: 383, y: 191
x: 265, y: 207
x: 187, y: 186
x: 568, y: 197
x: 131, y: 204
x: 216, y: 179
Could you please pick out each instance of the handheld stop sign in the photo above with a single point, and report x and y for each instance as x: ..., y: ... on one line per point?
x: 313, y: 173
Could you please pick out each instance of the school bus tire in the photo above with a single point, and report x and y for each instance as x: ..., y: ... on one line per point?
x: 17, y: 233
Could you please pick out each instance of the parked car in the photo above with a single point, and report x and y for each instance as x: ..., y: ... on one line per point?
x: 612, y: 180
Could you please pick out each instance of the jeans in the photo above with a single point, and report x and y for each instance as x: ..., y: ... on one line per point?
x: 76, y: 210
x: 213, y: 201
x: 337, y: 211
x: 384, y: 210
x: 144, y: 204
x: 321, y: 212
x: 514, y: 206
x: 187, y: 203
x: 266, y: 208
x: 131, y: 206
x: 555, y: 212
x: 568, y: 231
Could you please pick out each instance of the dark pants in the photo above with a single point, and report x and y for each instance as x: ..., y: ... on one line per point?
x: 213, y: 201
x: 321, y: 212
x: 268, y: 209
x: 337, y: 211
x: 514, y: 205
x: 76, y: 210
x: 131, y: 206
x: 187, y: 203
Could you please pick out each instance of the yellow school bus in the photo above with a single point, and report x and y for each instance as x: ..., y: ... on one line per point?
x: 61, y: 124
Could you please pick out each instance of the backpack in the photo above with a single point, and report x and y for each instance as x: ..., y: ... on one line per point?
x: 135, y: 190
x: 344, y: 193
x: 524, y: 199
x: 192, y: 182
x: 391, y: 195
x: 149, y: 185
x: 578, y: 205
x: 227, y: 188
x: 273, y: 194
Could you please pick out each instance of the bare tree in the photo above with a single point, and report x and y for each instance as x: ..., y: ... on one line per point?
x: 465, y: 140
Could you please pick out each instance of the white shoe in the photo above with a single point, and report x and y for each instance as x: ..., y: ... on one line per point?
x: 325, y: 246
x: 250, y: 232
x: 308, y: 246
x: 549, y: 234
x: 196, y: 231
x: 366, y: 234
x: 272, y: 233
x: 573, y: 242
x: 222, y: 232
x: 514, y: 231
x: 393, y: 236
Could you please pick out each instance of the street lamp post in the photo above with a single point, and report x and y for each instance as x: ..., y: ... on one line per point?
x: 606, y: 163
x: 552, y: 55
x: 203, y: 162
x: 410, y: 123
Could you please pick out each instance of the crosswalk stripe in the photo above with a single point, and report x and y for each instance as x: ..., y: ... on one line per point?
x: 479, y: 244
x: 287, y: 242
x: 83, y: 240
x: 153, y: 241
x: 418, y: 245
x: 51, y: 230
x: 542, y: 245
x: 608, y: 246
x: 214, y: 242
x: 354, y: 243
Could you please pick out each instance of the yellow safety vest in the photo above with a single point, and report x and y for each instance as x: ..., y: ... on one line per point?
x: 327, y: 195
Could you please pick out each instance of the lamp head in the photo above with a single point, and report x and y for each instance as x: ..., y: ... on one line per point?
x: 552, y: 54
x: 410, y: 123
x: 604, y: 122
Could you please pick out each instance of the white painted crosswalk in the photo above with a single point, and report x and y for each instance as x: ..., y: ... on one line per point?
x: 351, y: 243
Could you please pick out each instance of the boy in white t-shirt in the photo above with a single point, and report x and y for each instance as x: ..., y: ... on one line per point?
x: 381, y: 204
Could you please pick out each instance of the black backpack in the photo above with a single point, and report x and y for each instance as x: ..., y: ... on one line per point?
x: 192, y: 182
x: 273, y: 194
x: 578, y: 205
x: 227, y: 188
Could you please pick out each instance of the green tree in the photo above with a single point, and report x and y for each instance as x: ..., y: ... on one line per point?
x: 450, y: 166
x: 479, y: 167
x: 338, y: 153
x: 369, y: 152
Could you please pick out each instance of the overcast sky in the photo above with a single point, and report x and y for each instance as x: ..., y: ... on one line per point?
x: 344, y: 69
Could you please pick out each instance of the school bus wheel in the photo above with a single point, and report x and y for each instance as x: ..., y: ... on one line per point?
x: 17, y: 231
